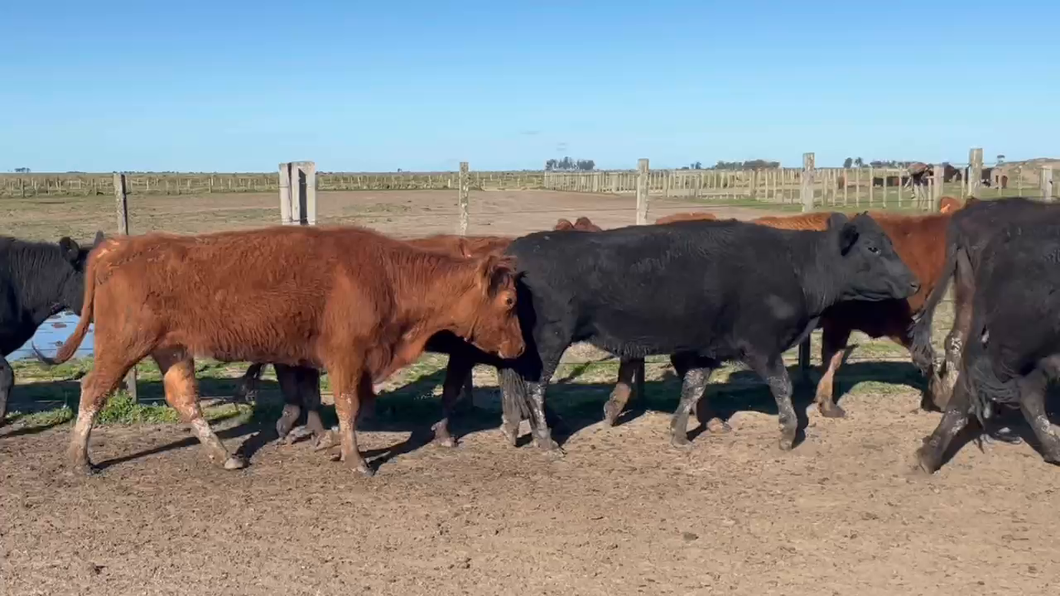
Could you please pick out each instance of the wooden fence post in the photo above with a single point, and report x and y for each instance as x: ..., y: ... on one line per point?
x: 642, y: 192
x: 285, y: 193
x: 807, y: 181
x: 298, y: 193
x: 1047, y: 183
x: 122, y: 207
x: 975, y: 173
x: 462, y: 194
x: 938, y: 176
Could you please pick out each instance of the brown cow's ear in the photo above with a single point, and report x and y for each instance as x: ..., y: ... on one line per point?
x: 563, y: 224
x: 494, y: 271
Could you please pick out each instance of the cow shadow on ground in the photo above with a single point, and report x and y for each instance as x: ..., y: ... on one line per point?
x: 581, y: 405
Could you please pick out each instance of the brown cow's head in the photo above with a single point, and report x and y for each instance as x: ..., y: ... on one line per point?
x: 585, y: 224
x: 486, y: 314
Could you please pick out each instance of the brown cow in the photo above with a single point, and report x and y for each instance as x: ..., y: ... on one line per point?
x: 918, y: 240
x: 689, y: 216
x: 349, y: 300
x: 582, y: 223
x: 300, y: 386
x: 949, y: 204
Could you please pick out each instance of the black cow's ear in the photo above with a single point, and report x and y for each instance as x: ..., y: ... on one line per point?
x: 848, y: 235
x: 71, y: 251
x: 836, y: 219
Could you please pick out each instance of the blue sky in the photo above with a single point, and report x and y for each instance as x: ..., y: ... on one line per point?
x: 358, y: 86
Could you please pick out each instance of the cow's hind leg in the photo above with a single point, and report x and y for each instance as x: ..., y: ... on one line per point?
x: 106, y: 374
x: 1032, y: 403
x: 833, y: 352
x: 627, y: 369
x: 954, y: 419
x: 772, y: 370
x: 309, y: 391
x: 963, y: 291
x: 248, y: 385
x: 182, y: 393
x: 7, y: 382
x: 696, y: 374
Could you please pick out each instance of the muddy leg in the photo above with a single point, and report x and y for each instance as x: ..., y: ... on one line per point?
x: 349, y: 382
x: 106, y: 374
x: 309, y: 390
x: 1032, y: 403
x: 963, y: 292
x: 954, y: 419
x: 465, y: 401
x: 704, y: 412
x: 627, y: 369
x: 7, y: 381
x: 773, y: 371
x: 512, y: 399
x: 457, y: 374
x: 694, y: 378
x: 287, y: 377
x: 182, y: 393
x: 247, y: 391
x: 833, y: 352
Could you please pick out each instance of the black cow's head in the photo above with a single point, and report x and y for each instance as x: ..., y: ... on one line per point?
x: 868, y: 267
x: 76, y: 257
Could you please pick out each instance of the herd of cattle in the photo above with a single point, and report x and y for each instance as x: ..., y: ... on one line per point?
x: 361, y: 305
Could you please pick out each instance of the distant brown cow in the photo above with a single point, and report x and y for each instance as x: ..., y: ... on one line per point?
x: 949, y: 204
x: 349, y: 300
x: 689, y: 216
x: 582, y: 223
x: 918, y: 240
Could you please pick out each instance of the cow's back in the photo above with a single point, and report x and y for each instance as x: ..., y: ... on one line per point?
x: 246, y: 293
x: 684, y: 285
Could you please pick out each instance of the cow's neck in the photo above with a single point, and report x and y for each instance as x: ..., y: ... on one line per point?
x: 815, y: 266
x: 426, y: 300
x: 43, y: 278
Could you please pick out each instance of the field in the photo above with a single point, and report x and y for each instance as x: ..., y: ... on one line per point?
x: 621, y: 513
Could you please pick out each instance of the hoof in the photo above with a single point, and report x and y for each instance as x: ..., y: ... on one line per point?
x: 832, y: 411
x: 925, y: 461
x: 297, y: 434
x: 787, y: 441
x: 446, y: 441
x: 546, y: 444
x: 326, y: 441
x: 718, y: 426
x: 365, y: 470
x: 235, y: 463
x: 84, y: 470
x: 1004, y: 435
x: 680, y: 441
x: 511, y: 433
x: 611, y: 413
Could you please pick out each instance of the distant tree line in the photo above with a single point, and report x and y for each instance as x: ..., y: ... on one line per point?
x: 569, y: 165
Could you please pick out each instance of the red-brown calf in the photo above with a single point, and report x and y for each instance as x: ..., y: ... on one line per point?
x: 348, y: 300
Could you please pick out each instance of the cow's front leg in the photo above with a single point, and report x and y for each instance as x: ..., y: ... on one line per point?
x: 954, y: 419
x: 772, y: 369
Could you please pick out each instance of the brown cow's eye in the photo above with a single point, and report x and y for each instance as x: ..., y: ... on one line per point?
x: 509, y: 301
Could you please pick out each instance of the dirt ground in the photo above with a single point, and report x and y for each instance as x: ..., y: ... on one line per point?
x: 621, y: 513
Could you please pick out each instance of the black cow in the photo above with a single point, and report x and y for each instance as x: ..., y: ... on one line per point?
x: 1014, y: 345
x: 37, y: 280
x: 703, y: 291
x: 968, y: 233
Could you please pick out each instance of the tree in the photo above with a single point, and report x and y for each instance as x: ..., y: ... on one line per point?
x: 859, y: 162
x: 848, y: 162
x: 1000, y: 159
x: 22, y: 170
x: 569, y: 165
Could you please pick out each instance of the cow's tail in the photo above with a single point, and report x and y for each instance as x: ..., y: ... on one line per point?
x: 980, y: 377
x: 515, y: 395
x: 69, y: 348
x: 920, y: 331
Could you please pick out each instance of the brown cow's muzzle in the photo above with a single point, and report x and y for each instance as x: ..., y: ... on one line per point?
x: 511, y: 350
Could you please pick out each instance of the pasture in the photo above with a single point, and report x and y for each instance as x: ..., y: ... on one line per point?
x: 621, y: 513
